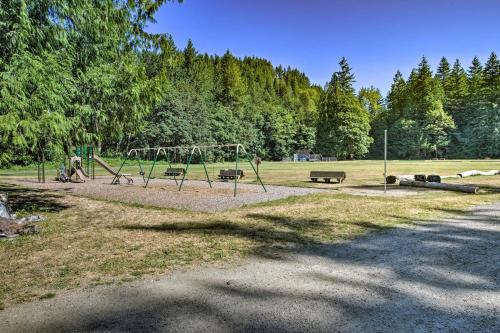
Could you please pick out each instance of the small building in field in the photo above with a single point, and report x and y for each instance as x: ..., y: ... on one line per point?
x: 306, y: 155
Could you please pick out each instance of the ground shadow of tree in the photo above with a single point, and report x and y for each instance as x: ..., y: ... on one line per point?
x: 29, y: 200
x: 397, y: 281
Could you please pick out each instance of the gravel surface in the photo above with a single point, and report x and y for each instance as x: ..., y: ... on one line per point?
x: 432, y: 277
x: 195, y: 195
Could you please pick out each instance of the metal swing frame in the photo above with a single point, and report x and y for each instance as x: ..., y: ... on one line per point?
x: 239, y: 147
x: 239, y: 150
x: 157, y: 152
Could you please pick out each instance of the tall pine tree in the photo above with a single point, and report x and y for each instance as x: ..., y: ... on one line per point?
x: 343, y: 124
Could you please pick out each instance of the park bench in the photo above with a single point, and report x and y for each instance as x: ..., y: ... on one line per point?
x: 327, y: 175
x: 175, y: 172
x: 231, y: 174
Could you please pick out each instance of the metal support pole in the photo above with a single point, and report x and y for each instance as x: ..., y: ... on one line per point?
x: 258, y: 177
x: 236, y: 175
x: 120, y: 169
x: 205, y: 168
x: 93, y: 164
x: 187, y: 168
x: 385, y: 161
x: 152, y: 167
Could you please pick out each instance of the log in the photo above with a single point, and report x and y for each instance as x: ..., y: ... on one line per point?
x: 420, y: 177
x: 441, y: 186
x: 478, y: 173
x: 433, y: 179
x: 450, y: 176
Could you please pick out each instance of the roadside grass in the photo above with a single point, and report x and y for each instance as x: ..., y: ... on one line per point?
x: 85, y: 242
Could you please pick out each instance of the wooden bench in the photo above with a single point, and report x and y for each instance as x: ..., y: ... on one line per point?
x: 327, y: 175
x: 175, y: 172
x: 231, y: 174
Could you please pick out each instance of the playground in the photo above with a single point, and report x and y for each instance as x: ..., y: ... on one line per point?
x: 196, y: 195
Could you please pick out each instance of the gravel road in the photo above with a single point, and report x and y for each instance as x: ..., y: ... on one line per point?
x: 440, y: 276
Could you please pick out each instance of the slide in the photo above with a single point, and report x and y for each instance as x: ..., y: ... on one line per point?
x: 84, y: 173
x: 110, y: 169
x: 80, y: 174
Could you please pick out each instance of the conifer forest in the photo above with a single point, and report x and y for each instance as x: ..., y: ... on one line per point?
x: 100, y: 78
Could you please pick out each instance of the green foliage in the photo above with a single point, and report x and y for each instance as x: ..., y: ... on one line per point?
x: 343, y: 124
x: 86, y: 72
x: 70, y: 73
x: 211, y: 99
x: 453, y: 114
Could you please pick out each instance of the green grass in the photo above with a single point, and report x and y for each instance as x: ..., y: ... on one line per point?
x: 359, y: 173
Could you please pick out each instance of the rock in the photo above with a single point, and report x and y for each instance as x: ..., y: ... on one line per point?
x: 5, y: 210
x: 30, y: 219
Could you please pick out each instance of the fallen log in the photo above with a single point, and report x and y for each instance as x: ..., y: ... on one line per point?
x: 450, y: 176
x: 478, y: 173
x: 440, y: 186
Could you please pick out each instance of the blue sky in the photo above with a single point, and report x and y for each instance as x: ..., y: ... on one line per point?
x: 377, y: 37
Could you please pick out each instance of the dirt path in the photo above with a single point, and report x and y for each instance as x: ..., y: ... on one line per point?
x: 441, y: 276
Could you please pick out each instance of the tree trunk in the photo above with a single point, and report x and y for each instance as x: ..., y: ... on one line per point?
x: 478, y: 173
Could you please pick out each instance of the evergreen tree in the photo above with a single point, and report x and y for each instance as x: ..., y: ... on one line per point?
x: 456, y: 105
x: 443, y: 74
x: 343, y: 124
x: 396, y: 99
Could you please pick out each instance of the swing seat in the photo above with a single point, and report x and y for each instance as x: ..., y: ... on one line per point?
x: 231, y: 174
x: 175, y: 172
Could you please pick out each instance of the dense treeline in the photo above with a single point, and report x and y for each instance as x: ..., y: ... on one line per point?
x: 224, y: 99
x: 70, y: 73
x: 454, y: 113
x: 87, y: 72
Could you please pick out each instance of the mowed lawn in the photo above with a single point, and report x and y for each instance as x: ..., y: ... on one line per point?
x: 85, y: 242
x: 359, y: 173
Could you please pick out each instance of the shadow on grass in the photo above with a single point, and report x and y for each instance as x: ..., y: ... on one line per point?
x: 265, y: 230
x: 406, y: 280
x: 28, y: 200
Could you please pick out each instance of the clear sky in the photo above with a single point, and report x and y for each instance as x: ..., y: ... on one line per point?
x: 377, y: 37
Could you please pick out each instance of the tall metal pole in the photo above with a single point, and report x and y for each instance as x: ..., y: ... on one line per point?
x: 236, y: 174
x: 385, y: 161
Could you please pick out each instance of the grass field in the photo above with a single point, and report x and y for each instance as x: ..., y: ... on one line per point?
x: 85, y: 242
x: 359, y: 173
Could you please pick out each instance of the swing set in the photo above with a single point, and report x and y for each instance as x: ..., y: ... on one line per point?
x: 193, y: 151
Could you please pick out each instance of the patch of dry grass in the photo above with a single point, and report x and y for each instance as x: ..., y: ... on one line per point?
x: 86, y: 242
